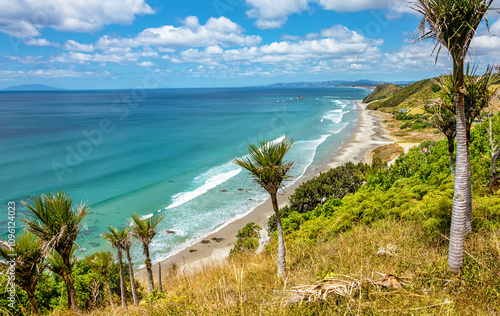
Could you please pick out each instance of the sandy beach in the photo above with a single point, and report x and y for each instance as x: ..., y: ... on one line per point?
x: 216, y: 246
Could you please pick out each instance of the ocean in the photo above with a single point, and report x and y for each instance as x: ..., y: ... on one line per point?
x: 168, y: 151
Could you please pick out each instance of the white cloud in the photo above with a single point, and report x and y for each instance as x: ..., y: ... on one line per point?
x: 360, y: 5
x: 216, y: 31
x: 40, y: 42
x: 415, y: 58
x: 273, y: 14
x: 25, y: 18
x: 127, y: 57
x: 334, y: 47
x: 27, y: 59
x: 146, y: 64
x: 73, y: 45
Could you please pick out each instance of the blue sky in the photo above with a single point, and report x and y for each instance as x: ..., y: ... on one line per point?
x: 115, y: 44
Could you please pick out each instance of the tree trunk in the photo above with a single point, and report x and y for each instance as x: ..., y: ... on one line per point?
x: 149, y: 269
x: 458, y: 217
x: 132, y: 278
x: 110, y: 294
x: 32, y: 299
x: 451, y: 150
x: 70, y: 287
x: 122, y: 280
x: 281, y: 240
x: 159, y: 277
x: 468, y: 210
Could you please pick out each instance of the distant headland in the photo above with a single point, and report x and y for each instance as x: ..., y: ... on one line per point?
x: 32, y: 87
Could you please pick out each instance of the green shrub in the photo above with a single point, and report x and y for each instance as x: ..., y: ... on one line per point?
x: 335, y: 183
x: 247, y: 239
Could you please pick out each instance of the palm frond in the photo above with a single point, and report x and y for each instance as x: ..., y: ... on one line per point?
x: 266, y: 163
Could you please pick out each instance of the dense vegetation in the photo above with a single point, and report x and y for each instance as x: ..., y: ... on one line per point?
x: 409, y: 97
x: 382, y: 91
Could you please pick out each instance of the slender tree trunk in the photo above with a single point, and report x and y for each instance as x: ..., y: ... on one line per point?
x: 468, y: 210
x: 149, y: 269
x: 110, y: 294
x: 122, y: 280
x: 67, y: 290
x: 72, y: 295
x: 132, y: 278
x: 281, y: 240
x: 451, y: 151
x: 32, y: 299
x: 159, y: 277
x: 458, y: 217
x: 69, y: 283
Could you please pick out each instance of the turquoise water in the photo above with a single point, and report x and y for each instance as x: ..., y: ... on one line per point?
x: 166, y: 151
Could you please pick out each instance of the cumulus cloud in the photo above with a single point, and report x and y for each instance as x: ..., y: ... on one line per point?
x: 216, y: 31
x: 274, y: 14
x: 360, y: 5
x: 123, y: 58
x: 74, y: 45
x: 26, y: 18
x: 334, y: 47
x: 40, y: 42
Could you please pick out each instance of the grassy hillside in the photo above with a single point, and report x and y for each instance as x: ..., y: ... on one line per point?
x: 409, y: 97
x: 381, y: 250
x: 382, y: 91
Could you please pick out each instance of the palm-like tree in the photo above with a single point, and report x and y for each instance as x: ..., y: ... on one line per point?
x: 269, y: 169
x: 116, y: 237
x: 57, y: 224
x: 453, y: 24
x: 101, y: 263
x: 28, y: 255
x: 144, y: 230
x: 57, y: 266
x: 125, y: 234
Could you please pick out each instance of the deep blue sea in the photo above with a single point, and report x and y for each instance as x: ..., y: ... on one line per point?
x: 166, y: 151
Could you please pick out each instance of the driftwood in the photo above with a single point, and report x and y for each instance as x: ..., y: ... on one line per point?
x: 321, y: 290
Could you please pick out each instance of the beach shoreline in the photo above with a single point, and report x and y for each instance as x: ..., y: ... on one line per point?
x: 215, y: 247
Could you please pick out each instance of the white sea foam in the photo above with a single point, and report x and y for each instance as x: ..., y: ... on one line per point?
x: 306, y: 149
x: 211, y: 179
x: 339, y: 127
x: 335, y: 116
x: 143, y: 217
x: 277, y: 140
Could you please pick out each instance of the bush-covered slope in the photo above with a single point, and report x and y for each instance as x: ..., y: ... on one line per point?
x: 382, y: 91
x: 409, y: 97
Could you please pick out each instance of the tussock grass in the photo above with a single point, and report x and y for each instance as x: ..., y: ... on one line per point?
x: 247, y: 284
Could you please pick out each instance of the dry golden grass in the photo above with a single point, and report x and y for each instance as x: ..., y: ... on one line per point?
x: 247, y: 284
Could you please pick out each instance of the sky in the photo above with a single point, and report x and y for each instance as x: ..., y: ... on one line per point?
x: 126, y: 44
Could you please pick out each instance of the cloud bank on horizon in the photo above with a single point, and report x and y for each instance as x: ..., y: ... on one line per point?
x: 112, y: 44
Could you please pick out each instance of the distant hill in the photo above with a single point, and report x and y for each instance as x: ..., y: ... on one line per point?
x: 382, y: 91
x: 336, y: 83
x: 391, y: 98
x: 32, y: 87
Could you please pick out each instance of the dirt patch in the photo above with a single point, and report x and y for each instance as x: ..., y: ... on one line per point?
x: 388, y: 152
